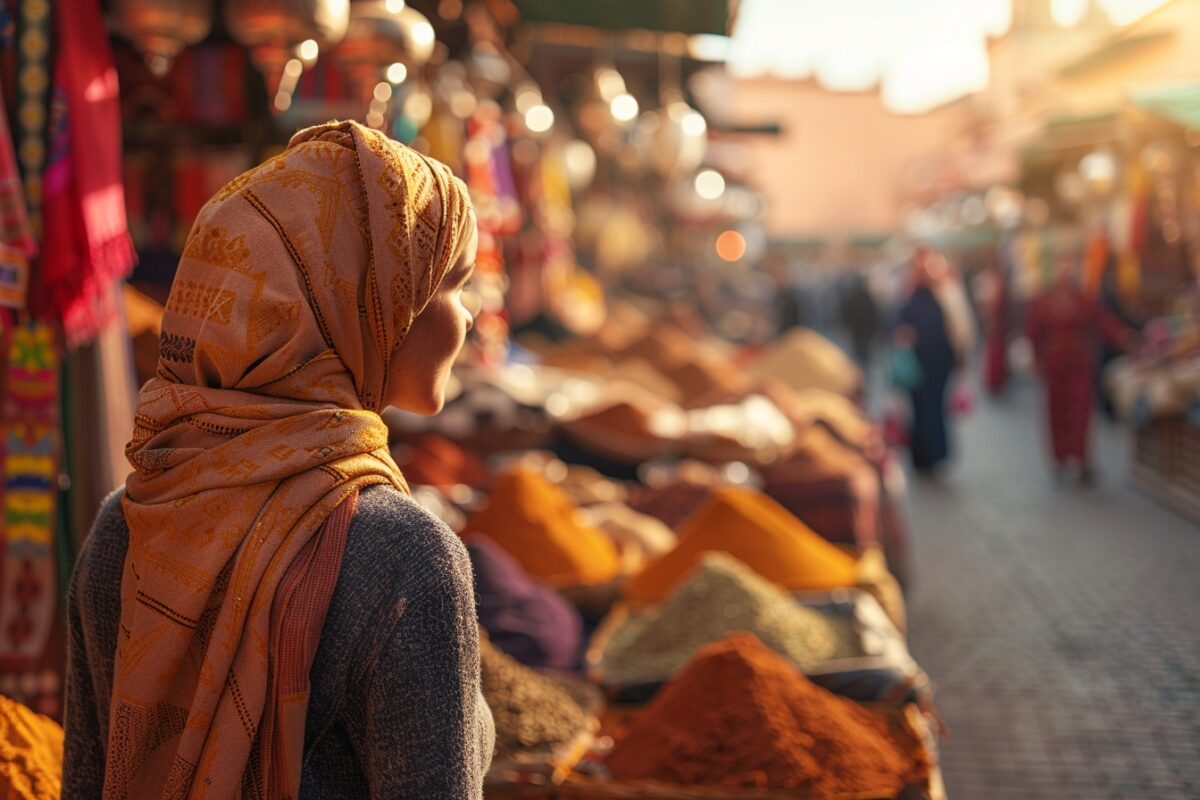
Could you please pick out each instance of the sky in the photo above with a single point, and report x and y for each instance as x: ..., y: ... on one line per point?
x: 920, y: 53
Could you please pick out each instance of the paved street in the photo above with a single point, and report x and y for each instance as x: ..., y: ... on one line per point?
x: 1061, y: 625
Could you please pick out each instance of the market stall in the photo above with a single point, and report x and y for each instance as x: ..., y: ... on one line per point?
x: 659, y: 503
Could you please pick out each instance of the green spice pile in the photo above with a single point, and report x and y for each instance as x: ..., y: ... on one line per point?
x: 722, y: 595
x: 532, y: 712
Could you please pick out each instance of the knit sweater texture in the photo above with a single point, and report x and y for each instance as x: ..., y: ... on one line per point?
x: 395, y: 709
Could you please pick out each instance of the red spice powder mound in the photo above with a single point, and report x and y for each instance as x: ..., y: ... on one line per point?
x: 673, y: 503
x: 433, y: 460
x: 622, y: 417
x: 741, y: 715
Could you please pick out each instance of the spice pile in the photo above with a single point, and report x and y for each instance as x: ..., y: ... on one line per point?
x: 740, y: 715
x: 537, y: 523
x: 533, y: 713
x: 673, y: 503
x: 804, y: 359
x: 31, y: 753
x: 522, y: 616
x: 430, y: 459
x: 719, y: 597
x: 758, y: 532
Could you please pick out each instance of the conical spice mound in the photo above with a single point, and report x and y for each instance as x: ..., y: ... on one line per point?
x: 755, y: 530
x: 535, y: 521
x: 741, y: 715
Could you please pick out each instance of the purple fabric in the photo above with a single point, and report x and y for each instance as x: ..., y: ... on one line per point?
x: 522, y: 616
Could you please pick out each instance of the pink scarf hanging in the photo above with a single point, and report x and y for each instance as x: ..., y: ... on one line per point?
x: 86, y: 245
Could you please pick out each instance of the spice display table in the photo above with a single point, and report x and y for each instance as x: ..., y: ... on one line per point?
x: 1166, y: 463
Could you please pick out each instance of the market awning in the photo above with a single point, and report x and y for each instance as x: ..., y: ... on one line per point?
x: 1179, y: 103
x: 668, y: 16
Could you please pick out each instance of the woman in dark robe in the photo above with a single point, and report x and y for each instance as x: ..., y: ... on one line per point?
x: 923, y: 327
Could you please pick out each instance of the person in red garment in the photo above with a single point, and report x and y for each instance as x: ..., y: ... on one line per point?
x: 1064, y: 327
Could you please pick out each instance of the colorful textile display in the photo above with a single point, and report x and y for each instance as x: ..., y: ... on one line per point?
x: 17, y: 245
x: 28, y: 588
x: 83, y: 201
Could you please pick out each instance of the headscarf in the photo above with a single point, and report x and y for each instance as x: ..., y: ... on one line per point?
x: 299, y: 281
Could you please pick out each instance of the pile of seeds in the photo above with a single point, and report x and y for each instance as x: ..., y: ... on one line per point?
x: 532, y: 712
x: 722, y: 595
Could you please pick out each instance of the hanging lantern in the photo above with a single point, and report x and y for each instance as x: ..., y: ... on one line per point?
x: 680, y: 140
x: 273, y: 29
x: 382, y: 33
x: 160, y: 29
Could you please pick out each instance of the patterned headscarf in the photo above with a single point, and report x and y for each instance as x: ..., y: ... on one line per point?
x: 298, y: 283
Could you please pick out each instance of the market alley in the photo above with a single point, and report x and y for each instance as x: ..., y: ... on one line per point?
x: 1060, y: 624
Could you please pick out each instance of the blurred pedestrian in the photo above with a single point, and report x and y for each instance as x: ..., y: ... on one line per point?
x: 860, y: 318
x: 1065, y: 327
x: 933, y: 333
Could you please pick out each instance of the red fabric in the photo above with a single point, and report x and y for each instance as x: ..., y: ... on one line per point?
x: 86, y: 245
x: 297, y: 620
x: 1064, y: 326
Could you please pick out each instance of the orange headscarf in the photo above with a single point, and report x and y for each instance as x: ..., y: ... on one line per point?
x: 299, y: 281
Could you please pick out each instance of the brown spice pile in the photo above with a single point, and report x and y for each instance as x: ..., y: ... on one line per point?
x: 532, y: 712
x: 741, y: 715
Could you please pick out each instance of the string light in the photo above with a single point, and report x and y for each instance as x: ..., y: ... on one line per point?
x: 308, y: 50
x: 539, y: 118
x: 624, y: 107
x: 397, y: 73
x: 710, y: 184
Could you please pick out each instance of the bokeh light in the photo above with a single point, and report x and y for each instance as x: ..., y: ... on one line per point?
x: 731, y: 246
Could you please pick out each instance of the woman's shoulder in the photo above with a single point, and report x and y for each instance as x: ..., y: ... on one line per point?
x: 395, y: 539
x: 102, y: 555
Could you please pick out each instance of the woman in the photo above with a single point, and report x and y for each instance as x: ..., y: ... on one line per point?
x: 935, y: 324
x: 263, y: 611
x: 1065, y: 327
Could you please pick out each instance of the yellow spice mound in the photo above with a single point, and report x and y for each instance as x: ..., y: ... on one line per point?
x: 31, y: 753
x: 538, y: 524
x: 757, y: 531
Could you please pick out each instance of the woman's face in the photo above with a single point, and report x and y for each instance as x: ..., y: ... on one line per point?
x: 421, y: 365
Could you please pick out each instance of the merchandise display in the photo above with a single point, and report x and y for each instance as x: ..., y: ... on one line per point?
x: 533, y: 713
x: 757, y: 531
x: 721, y: 596
x: 523, y: 617
x: 791, y: 733
x: 537, y: 523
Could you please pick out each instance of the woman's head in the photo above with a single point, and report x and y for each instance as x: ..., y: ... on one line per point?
x: 305, y: 277
x: 928, y: 267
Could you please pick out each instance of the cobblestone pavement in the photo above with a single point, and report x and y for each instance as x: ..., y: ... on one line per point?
x: 1061, y: 625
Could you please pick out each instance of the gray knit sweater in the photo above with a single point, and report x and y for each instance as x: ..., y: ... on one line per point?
x: 395, y: 709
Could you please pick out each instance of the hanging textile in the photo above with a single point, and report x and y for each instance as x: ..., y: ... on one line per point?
x: 31, y: 640
x: 1095, y: 259
x: 28, y: 588
x: 17, y: 245
x: 83, y: 205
